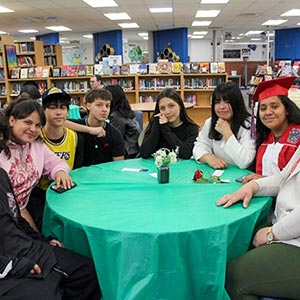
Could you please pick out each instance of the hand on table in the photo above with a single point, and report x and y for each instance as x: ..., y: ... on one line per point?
x: 62, y: 179
x: 214, y: 161
x: 250, y: 177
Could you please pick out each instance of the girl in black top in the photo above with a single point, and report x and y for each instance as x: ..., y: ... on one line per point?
x: 170, y: 127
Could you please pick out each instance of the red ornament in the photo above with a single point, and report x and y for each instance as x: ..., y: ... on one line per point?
x: 198, y: 174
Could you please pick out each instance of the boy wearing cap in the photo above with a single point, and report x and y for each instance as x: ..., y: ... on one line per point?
x: 64, y: 142
x: 277, y: 127
x: 109, y: 144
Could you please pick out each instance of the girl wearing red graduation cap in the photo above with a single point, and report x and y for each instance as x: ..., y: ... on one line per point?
x: 277, y: 127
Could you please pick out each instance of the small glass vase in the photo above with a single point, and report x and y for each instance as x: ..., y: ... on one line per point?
x: 163, y: 174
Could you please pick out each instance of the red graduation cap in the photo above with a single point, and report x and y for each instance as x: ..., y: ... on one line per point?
x: 275, y: 87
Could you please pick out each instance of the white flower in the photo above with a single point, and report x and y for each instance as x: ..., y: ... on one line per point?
x: 163, y: 157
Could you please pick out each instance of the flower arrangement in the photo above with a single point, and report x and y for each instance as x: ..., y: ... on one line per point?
x: 163, y: 157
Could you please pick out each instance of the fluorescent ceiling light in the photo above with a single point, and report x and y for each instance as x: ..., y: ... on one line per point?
x: 5, y: 10
x: 103, y: 3
x: 255, y: 39
x: 129, y: 25
x: 59, y: 28
x: 160, y: 9
x: 200, y: 32
x: 88, y: 36
x: 143, y: 33
x: 252, y: 32
x: 33, y: 38
x: 214, y: 1
x: 3, y: 32
x: 117, y: 16
x: 201, y: 23
x: 28, y: 30
x: 292, y: 13
x: 145, y: 38
x: 270, y: 34
x: 64, y: 42
x: 209, y: 13
x: 273, y: 22
x: 197, y: 37
x: 242, y: 34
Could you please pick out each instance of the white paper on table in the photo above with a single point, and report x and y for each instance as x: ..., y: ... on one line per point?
x: 153, y: 175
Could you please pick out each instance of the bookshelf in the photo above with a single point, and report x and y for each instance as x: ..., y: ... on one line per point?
x: 52, y: 55
x: 30, y: 53
x: 4, y: 40
x: 76, y: 87
x: 127, y: 82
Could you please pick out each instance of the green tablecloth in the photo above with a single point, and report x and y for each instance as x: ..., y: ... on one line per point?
x: 154, y: 241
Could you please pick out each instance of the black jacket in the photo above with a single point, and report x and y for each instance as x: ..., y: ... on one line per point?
x: 20, y: 246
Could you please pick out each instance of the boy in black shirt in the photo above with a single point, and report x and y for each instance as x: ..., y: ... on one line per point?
x: 109, y: 146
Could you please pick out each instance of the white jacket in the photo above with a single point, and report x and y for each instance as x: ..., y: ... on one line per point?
x: 286, y: 186
x: 238, y: 151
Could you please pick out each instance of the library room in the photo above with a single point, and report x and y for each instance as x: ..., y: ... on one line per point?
x: 149, y: 150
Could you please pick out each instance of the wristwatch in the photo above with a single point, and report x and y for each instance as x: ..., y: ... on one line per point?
x: 270, y: 235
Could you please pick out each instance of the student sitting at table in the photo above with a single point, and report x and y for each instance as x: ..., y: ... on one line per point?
x: 64, y: 142
x: 31, y: 267
x: 271, y: 269
x: 122, y: 117
x: 24, y: 156
x: 277, y: 127
x: 170, y: 127
x: 225, y: 137
x: 108, y: 145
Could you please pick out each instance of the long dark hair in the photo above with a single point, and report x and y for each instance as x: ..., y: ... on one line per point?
x: 172, y: 94
x: 293, y: 117
x: 19, y: 110
x: 119, y: 101
x: 230, y: 92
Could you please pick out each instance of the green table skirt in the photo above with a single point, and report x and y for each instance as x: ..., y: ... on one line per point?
x: 154, y: 241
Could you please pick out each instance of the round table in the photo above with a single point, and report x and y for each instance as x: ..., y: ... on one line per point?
x: 150, y: 240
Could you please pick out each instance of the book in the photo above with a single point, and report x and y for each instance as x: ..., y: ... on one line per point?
x: 204, y: 67
x: 46, y: 71
x: 31, y: 72
x: 176, y: 67
x: 38, y: 72
x: 106, y: 66
x: 81, y: 70
x: 115, y: 70
x: 142, y: 68
x: 186, y: 68
x: 56, y: 72
x: 89, y: 70
x: 24, y: 73
x: 98, y: 69
x: 221, y: 67
x: 213, y: 67
x: 64, y: 71
x: 152, y: 68
x: 133, y: 68
x: 2, y: 77
x: 124, y: 69
x: 195, y: 67
x: 164, y: 67
x: 15, y: 73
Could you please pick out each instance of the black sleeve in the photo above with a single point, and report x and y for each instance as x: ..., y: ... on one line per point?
x: 15, y: 267
x: 151, y: 139
x: 79, y: 155
x: 118, y: 148
x: 186, y: 145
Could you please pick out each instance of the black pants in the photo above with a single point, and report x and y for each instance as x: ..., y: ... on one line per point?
x: 82, y: 283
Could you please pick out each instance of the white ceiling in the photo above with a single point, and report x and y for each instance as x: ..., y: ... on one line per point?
x: 238, y: 16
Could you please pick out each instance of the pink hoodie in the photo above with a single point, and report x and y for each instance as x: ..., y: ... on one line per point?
x: 28, y: 162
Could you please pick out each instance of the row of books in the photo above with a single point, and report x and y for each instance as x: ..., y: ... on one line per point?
x: 16, y: 88
x: 143, y: 99
x: 72, y: 86
x: 50, y: 60
x: 126, y: 84
x: 25, y: 47
x: 25, y: 60
x: 202, y: 82
x: 191, y: 98
x: 161, y: 67
x: 49, y: 50
x: 159, y: 83
x: 24, y: 73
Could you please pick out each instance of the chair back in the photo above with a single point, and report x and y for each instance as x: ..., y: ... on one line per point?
x: 139, y: 117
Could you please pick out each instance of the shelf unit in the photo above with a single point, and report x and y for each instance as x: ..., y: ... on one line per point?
x: 30, y: 53
x: 53, y: 55
x: 4, y: 40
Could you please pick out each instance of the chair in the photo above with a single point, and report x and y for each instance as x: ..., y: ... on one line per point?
x: 139, y: 117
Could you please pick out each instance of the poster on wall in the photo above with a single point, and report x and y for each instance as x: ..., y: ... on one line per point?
x: 232, y: 53
x: 77, y: 55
